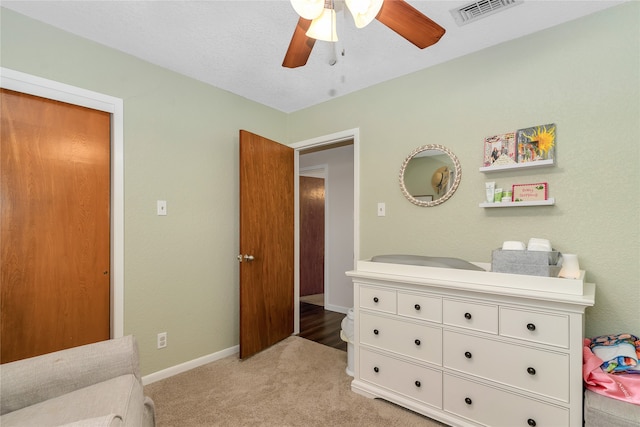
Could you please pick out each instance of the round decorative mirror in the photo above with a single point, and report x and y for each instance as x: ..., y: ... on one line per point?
x: 430, y: 175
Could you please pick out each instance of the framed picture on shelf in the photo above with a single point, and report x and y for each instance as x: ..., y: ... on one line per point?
x: 530, y: 192
x: 536, y: 143
x: 500, y: 149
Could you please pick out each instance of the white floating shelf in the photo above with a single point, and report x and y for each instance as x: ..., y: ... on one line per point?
x: 536, y: 164
x: 550, y: 201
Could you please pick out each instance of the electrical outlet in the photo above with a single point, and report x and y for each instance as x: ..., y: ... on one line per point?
x: 162, y: 340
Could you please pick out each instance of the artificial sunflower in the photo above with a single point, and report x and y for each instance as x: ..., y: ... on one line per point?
x: 545, y: 138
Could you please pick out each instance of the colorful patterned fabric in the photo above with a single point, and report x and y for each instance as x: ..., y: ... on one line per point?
x: 619, y: 353
x: 621, y: 387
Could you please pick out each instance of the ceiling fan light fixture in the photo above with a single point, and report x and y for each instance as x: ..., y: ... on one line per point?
x: 308, y: 9
x: 364, y: 11
x: 324, y: 27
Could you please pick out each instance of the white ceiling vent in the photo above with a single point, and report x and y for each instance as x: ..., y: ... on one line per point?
x: 480, y: 9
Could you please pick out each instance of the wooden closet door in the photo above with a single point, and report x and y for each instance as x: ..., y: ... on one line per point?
x: 55, y: 226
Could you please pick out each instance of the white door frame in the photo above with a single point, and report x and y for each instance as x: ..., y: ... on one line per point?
x: 326, y: 140
x: 33, y: 85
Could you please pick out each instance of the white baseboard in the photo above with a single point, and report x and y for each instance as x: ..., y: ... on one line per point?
x: 336, y: 308
x: 187, y: 366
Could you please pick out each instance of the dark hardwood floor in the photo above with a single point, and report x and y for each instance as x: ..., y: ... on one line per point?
x: 322, y: 326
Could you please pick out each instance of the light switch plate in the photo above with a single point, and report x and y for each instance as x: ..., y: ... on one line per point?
x: 162, y: 207
x: 381, y: 209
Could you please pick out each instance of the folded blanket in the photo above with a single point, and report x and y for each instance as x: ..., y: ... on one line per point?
x: 619, y: 353
x: 621, y: 387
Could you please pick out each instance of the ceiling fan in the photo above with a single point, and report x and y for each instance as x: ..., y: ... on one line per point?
x: 317, y: 22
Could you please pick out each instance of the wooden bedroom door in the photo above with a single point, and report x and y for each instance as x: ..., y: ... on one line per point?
x: 266, y: 243
x: 55, y: 226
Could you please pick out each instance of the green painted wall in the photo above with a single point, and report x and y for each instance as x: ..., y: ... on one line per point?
x: 180, y: 145
x: 181, y: 141
x: 585, y: 77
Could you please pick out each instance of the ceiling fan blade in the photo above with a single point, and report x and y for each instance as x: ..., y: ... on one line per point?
x: 300, y: 46
x: 410, y: 23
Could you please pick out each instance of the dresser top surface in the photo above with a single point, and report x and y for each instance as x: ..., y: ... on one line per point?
x: 573, y: 291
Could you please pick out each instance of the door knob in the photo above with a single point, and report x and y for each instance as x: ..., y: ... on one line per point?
x: 245, y: 258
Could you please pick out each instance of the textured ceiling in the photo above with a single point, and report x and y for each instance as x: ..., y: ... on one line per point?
x: 239, y: 45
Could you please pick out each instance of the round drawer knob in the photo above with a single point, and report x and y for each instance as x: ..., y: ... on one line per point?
x: 531, y: 327
x: 467, y: 316
x: 531, y: 371
x: 375, y: 299
x: 417, y: 342
x: 376, y: 369
x: 467, y: 354
x: 417, y: 307
x: 418, y: 384
x: 467, y: 401
x: 376, y: 332
x: 531, y: 422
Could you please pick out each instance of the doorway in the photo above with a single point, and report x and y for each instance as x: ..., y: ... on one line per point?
x: 312, y: 234
x: 338, y: 291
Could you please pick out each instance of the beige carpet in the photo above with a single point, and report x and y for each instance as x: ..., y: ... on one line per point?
x: 296, y: 382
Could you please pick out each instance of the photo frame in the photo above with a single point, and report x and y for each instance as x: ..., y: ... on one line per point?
x: 536, y: 143
x: 500, y: 149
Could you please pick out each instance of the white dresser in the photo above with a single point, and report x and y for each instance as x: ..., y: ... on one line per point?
x: 471, y: 348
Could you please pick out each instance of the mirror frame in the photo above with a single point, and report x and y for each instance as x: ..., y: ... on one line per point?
x: 448, y: 194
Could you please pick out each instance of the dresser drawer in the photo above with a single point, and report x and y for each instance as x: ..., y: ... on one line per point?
x: 497, y: 408
x: 421, y: 342
x: 527, y: 368
x: 379, y: 299
x: 470, y: 315
x: 423, y: 307
x: 534, y: 326
x: 417, y: 382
